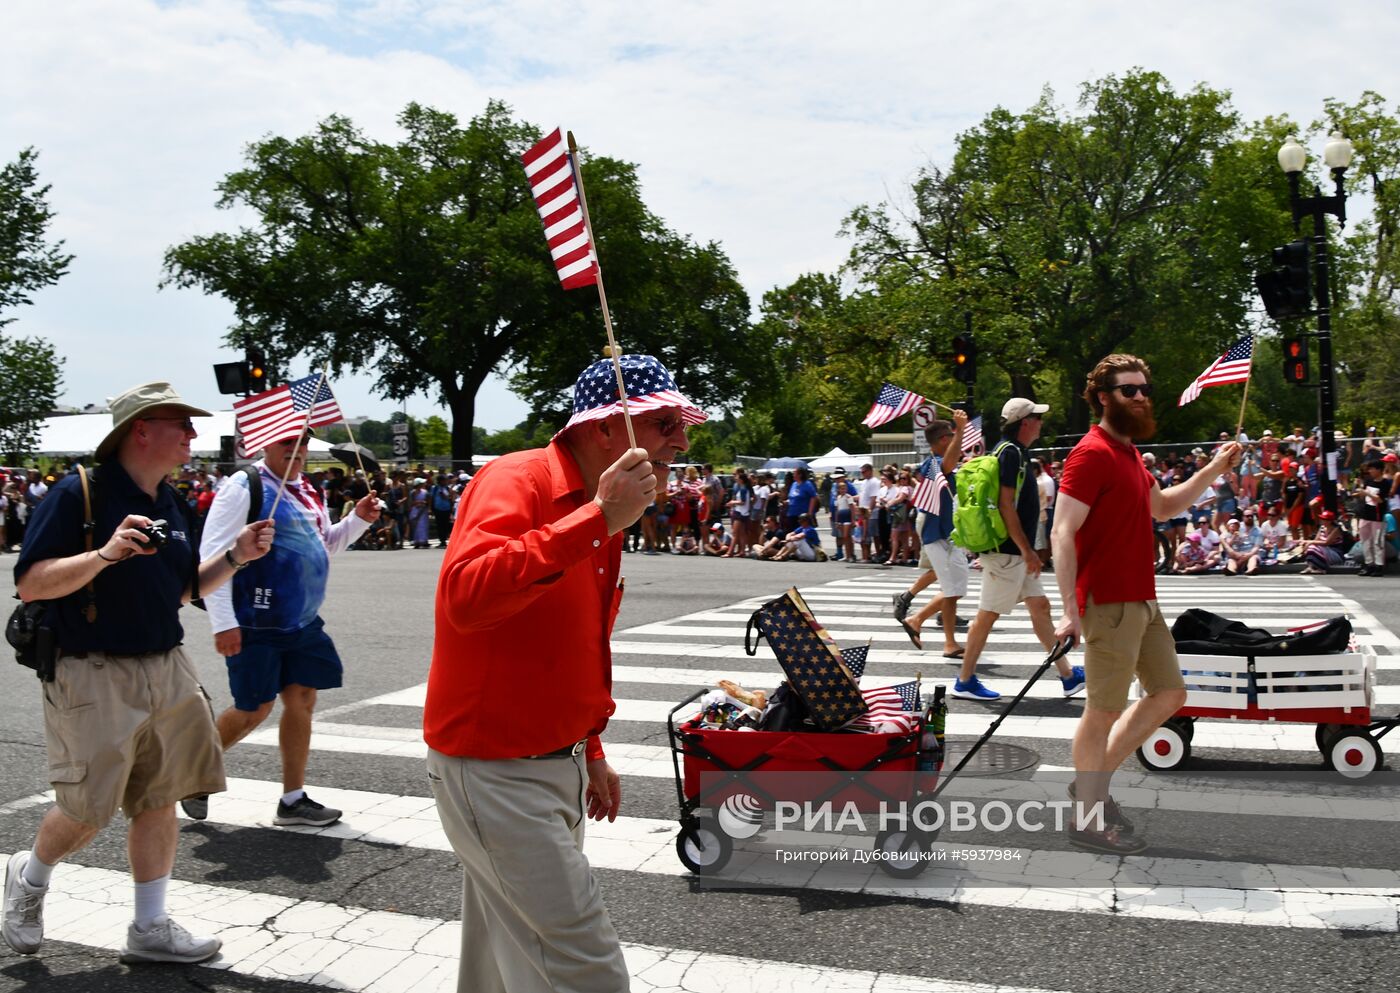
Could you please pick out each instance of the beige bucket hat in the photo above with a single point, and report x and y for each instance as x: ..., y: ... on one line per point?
x: 135, y: 402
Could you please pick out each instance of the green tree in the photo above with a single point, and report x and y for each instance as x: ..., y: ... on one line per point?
x: 1134, y: 223
x: 32, y: 372
x: 434, y: 436
x: 1366, y: 312
x: 425, y: 261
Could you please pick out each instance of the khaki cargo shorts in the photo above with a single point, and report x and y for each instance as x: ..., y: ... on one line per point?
x: 129, y: 731
x: 1006, y: 583
x: 1123, y: 640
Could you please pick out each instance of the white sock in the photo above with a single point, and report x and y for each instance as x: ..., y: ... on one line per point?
x: 150, y: 902
x: 293, y: 796
x: 37, y: 872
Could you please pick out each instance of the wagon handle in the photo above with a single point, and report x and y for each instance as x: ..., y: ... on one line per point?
x: 675, y: 750
x: 750, y: 642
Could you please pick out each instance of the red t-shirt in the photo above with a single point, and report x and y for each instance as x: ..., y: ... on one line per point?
x: 526, y: 601
x: 1115, y: 546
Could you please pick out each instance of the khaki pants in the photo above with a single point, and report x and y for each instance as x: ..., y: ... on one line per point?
x: 533, y: 919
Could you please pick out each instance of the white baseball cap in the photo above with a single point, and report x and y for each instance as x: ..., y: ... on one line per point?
x: 1019, y: 408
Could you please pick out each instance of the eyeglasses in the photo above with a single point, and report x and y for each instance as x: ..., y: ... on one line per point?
x: 667, y: 425
x: 184, y: 422
x: 1131, y: 390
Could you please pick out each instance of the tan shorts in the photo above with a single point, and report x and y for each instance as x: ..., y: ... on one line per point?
x: 1123, y: 640
x: 129, y: 731
x: 1005, y: 583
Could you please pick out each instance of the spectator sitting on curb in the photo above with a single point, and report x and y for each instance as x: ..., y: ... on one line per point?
x: 1191, y: 556
x: 801, y: 542
x: 717, y: 542
x: 1242, y: 546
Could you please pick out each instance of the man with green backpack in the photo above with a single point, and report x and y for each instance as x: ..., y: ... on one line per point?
x: 996, y: 513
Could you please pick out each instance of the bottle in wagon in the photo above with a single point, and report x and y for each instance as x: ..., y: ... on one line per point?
x: 931, y: 733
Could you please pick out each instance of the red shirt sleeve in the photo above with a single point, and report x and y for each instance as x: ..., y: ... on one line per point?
x: 1085, y: 474
x: 502, y: 557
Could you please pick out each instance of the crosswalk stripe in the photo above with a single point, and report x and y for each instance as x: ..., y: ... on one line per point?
x: 353, y: 948
x: 1309, y: 896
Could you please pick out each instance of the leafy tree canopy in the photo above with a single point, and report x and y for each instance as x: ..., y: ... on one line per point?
x: 424, y: 261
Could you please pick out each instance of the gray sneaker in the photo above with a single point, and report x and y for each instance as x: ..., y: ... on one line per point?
x: 902, y: 603
x: 305, y: 811
x: 196, y: 808
x: 24, y: 908
x: 167, y: 941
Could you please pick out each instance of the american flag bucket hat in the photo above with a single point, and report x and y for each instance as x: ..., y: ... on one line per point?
x: 649, y: 387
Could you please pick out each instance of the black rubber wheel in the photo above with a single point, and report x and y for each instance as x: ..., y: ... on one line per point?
x: 1168, y: 748
x: 1324, y: 734
x: 903, y: 853
x: 702, y: 847
x: 1353, y: 753
x: 1185, y: 726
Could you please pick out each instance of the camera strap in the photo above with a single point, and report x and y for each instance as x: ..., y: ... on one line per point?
x: 89, y: 525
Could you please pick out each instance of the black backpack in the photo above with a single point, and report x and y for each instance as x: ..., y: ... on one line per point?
x: 1199, y: 632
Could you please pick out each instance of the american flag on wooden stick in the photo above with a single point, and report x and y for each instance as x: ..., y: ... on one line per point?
x: 890, y: 705
x: 281, y: 413
x: 928, y: 493
x: 891, y: 402
x: 972, y: 436
x: 1232, y: 367
x: 550, y: 169
x: 855, y: 659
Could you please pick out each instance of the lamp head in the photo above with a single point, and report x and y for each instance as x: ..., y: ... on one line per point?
x: 1337, y: 152
x: 1292, y: 156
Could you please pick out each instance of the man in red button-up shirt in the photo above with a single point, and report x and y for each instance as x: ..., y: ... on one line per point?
x: 521, y: 681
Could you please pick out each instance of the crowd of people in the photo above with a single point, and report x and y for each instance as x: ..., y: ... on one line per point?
x: 419, y: 505
x: 1266, y: 511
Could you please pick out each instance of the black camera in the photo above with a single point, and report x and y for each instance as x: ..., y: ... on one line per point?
x: 157, y: 533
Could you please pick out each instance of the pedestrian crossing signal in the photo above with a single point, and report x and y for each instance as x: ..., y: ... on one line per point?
x: 1295, y: 361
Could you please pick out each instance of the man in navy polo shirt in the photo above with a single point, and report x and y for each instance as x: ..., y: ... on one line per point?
x: 125, y: 720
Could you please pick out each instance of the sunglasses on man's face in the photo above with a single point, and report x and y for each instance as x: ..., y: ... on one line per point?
x: 1131, y: 390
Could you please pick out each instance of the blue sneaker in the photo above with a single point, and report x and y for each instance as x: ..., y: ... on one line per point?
x: 1073, y: 683
x: 973, y: 690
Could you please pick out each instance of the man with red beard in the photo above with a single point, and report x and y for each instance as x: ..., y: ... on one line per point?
x: 1104, y: 566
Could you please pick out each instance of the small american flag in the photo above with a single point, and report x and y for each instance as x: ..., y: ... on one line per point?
x: 897, y: 705
x: 929, y: 491
x: 281, y: 413
x: 892, y: 402
x: 855, y: 659
x: 1232, y: 367
x: 972, y: 436
x: 550, y: 169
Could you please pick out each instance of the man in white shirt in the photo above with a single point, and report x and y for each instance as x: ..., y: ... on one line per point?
x: 267, y: 623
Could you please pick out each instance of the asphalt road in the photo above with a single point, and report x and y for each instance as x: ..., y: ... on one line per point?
x: 380, y: 614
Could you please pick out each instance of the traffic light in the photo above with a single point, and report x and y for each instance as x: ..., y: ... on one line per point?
x: 232, y: 377
x: 257, y: 369
x: 1295, y: 361
x: 1287, y: 289
x: 964, y: 358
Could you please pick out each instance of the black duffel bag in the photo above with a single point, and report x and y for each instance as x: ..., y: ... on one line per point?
x: 1199, y: 632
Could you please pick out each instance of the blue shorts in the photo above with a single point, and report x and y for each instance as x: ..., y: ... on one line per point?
x: 273, y: 660
x: 1227, y: 506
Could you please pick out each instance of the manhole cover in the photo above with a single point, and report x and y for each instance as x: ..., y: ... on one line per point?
x: 993, y: 759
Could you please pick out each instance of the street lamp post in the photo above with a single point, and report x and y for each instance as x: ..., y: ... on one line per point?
x: 1337, y: 156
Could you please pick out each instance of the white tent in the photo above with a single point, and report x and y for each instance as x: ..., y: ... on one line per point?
x: 836, y: 458
x: 80, y: 434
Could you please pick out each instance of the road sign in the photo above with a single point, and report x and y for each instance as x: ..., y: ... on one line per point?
x: 924, y: 415
x: 399, y: 427
x: 401, y: 445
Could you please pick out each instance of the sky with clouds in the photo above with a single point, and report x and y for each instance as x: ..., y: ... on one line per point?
x: 756, y: 125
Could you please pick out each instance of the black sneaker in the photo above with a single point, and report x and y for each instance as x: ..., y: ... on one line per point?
x: 305, y: 811
x: 902, y: 603
x: 196, y: 808
x: 960, y: 623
